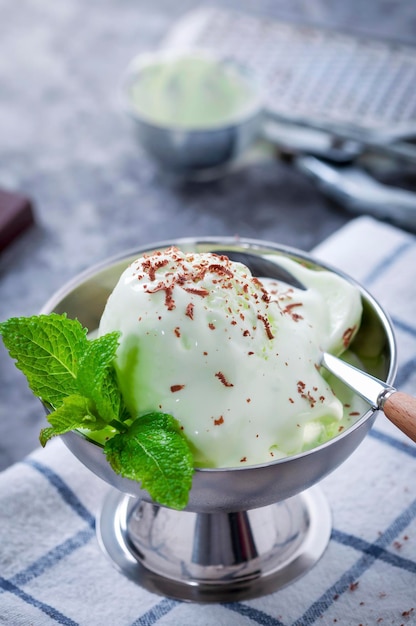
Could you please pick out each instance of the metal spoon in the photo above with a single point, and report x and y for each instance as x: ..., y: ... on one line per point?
x: 398, y: 407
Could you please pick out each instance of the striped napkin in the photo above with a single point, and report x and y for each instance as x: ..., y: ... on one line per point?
x: 53, y: 572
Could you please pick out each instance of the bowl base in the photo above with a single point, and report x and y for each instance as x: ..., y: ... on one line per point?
x: 214, y: 557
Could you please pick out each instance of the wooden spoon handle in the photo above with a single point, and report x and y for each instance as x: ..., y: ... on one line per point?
x: 400, y: 408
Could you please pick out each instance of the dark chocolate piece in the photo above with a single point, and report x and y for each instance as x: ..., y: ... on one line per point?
x: 16, y: 214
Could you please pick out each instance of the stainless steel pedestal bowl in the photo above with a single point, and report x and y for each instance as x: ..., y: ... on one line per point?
x: 246, y: 531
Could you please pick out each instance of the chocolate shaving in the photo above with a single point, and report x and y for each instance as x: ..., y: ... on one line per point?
x: 266, y: 325
x: 190, y: 311
x: 175, y: 388
x: 347, y: 336
x: 223, y: 379
x: 197, y: 292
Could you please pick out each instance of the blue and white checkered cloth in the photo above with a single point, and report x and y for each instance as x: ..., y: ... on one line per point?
x: 52, y: 570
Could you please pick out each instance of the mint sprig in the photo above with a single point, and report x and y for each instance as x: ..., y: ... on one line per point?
x: 75, y: 377
x: 155, y: 453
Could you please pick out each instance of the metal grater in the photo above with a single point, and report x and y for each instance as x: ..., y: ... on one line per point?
x: 318, y: 77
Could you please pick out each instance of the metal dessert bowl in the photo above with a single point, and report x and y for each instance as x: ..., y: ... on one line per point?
x: 248, y: 530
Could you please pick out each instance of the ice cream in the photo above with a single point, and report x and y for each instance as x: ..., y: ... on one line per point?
x: 232, y: 358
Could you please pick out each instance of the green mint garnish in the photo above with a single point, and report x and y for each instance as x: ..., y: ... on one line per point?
x: 96, y: 377
x: 47, y: 349
x: 75, y: 377
x: 154, y: 452
x: 74, y: 412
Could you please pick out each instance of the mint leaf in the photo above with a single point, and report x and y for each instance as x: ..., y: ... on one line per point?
x: 47, y: 349
x: 74, y: 412
x: 96, y: 377
x: 154, y: 452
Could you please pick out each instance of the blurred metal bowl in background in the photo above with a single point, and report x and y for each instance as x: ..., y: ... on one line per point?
x: 201, y: 149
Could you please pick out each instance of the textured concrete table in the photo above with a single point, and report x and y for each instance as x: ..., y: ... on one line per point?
x: 65, y: 142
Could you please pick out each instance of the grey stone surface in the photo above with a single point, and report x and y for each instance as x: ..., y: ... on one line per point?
x: 65, y: 142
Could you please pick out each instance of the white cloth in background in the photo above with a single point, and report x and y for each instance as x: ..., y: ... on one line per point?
x: 53, y: 572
